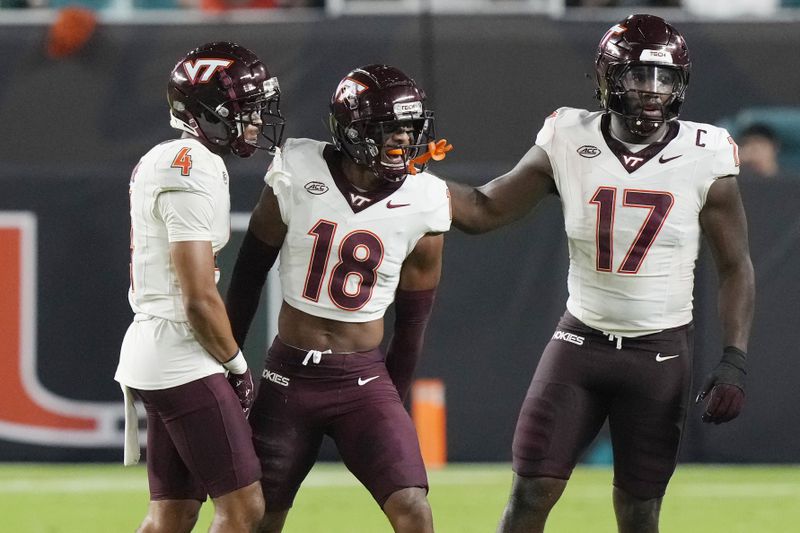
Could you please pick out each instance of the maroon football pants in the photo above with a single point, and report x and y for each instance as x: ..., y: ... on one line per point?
x: 349, y: 397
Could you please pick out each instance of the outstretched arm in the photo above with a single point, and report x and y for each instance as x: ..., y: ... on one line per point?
x: 725, y: 225
x: 258, y: 253
x: 504, y: 199
x: 413, y: 304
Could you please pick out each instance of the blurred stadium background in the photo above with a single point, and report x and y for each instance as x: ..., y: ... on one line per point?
x: 83, y: 97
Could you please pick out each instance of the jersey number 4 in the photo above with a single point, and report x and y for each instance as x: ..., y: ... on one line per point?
x: 605, y: 198
x: 183, y: 161
x: 351, y: 280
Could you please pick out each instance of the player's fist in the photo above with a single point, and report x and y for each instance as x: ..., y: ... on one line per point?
x: 243, y: 386
x: 723, y: 388
x: 241, y: 380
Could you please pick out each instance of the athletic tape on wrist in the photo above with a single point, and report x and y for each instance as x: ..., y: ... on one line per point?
x: 237, y: 364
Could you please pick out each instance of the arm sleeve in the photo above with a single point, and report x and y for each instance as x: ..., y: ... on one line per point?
x: 412, y: 312
x: 188, y: 215
x: 249, y: 274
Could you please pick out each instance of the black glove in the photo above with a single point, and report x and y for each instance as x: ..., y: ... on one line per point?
x: 243, y: 386
x: 724, y: 387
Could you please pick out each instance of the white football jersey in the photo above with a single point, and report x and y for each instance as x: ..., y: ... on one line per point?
x: 178, y: 192
x: 344, y: 248
x: 632, y: 219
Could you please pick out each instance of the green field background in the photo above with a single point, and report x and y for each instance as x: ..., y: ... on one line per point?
x: 38, y: 498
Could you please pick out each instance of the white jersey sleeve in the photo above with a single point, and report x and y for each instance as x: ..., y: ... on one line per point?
x: 188, y: 216
x: 726, y: 160
x: 281, y: 182
x: 544, y: 138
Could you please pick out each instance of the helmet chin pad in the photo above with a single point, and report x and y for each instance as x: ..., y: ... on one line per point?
x: 642, y: 127
x: 242, y: 148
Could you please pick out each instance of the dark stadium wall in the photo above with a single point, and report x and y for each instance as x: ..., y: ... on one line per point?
x: 74, y: 129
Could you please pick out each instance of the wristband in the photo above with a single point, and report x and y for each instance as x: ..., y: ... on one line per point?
x: 734, y: 357
x: 236, y: 364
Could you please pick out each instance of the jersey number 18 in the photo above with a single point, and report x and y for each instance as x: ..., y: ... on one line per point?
x: 351, y: 280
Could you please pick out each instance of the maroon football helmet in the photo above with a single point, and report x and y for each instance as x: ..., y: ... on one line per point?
x: 642, y: 72
x: 216, y: 90
x: 369, y: 104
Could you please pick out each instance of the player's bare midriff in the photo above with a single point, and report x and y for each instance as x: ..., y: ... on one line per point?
x: 302, y: 330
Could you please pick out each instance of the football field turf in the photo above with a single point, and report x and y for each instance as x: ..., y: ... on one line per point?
x: 465, y: 499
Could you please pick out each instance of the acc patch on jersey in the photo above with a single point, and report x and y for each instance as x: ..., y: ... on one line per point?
x: 316, y: 187
x: 588, y: 151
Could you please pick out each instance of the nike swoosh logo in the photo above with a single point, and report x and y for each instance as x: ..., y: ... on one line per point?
x: 365, y: 381
x: 390, y: 205
x: 663, y: 159
x: 660, y: 358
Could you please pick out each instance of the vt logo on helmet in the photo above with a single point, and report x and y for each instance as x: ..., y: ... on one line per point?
x: 378, y: 119
x: 218, y: 92
x: 642, y: 72
x: 201, y: 70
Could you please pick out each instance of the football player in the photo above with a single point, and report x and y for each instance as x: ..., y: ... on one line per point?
x: 637, y: 188
x: 356, y: 228
x: 179, y: 349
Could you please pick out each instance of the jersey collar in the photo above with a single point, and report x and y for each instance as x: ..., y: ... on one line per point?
x: 632, y: 161
x: 356, y: 199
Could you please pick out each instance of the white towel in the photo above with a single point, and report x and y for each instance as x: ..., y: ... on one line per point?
x: 132, y: 452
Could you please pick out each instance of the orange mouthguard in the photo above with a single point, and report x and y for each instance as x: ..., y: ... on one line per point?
x: 436, y: 150
x: 395, y: 151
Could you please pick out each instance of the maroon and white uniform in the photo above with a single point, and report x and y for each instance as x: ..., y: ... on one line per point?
x: 632, y: 219
x: 178, y: 192
x: 341, y: 260
x: 344, y: 248
x: 623, y: 350
x: 198, y: 442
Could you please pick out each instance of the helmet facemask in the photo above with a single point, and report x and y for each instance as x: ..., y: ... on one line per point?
x: 645, y: 95
x: 233, y: 117
x: 375, y: 144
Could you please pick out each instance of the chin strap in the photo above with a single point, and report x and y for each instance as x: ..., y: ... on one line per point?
x: 437, y: 150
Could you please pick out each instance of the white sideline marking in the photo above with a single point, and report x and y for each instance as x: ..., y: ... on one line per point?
x: 706, y: 491
x: 93, y: 484
x: 342, y: 478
